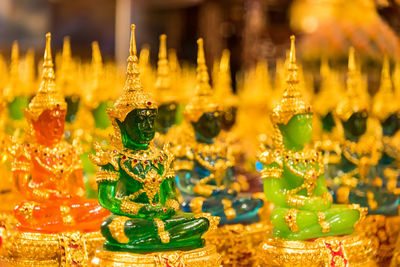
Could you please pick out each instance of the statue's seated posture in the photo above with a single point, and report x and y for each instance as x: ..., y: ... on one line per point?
x: 204, y: 164
x: 293, y: 175
x: 48, y: 170
x: 361, y: 152
x: 136, y: 182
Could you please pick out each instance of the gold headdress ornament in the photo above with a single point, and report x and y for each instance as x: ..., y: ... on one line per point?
x: 292, y: 102
x: 385, y: 102
x: 65, y: 76
x: 47, y: 97
x: 356, y: 99
x: 163, y: 81
x: 133, y: 96
x: 97, y: 92
x: 223, y: 83
x: 203, y: 101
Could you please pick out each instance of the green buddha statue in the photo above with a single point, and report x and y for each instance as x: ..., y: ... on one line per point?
x: 293, y: 174
x: 166, y: 96
x: 387, y: 110
x: 204, y: 162
x: 136, y: 181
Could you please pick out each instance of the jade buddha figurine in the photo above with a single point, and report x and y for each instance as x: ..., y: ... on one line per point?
x: 15, y: 94
x: 47, y: 170
x: 136, y: 181
x: 204, y: 164
x: 166, y: 96
x: 387, y: 110
x: 293, y: 174
x: 360, y: 151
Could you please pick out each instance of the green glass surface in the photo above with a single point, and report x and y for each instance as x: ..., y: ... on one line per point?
x: 340, y: 218
x: 16, y: 106
x: 184, y: 230
x: 100, y: 115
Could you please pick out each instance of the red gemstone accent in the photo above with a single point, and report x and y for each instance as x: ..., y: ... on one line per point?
x: 154, y: 179
x: 1, y: 241
x: 165, y: 210
x: 306, y: 160
x: 149, y: 103
x: 145, y: 182
x: 155, y: 161
x: 135, y: 161
x: 161, y: 159
x: 159, y: 181
x: 146, y: 162
x: 123, y: 157
x: 154, y: 204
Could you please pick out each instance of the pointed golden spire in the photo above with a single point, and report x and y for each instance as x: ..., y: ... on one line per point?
x: 133, y: 96
x: 356, y: 99
x: 66, y: 53
x: 292, y: 102
x: 14, y: 68
x: 223, y: 83
x: 96, y: 55
x: 163, y: 81
x: 385, y: 102
x: 203, y: 100
x: 47, y: 97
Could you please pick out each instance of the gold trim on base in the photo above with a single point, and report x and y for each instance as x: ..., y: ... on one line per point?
x: 237, y: 243
x: 23, y: 248
x: 205, y: 257
x: 338, y: 251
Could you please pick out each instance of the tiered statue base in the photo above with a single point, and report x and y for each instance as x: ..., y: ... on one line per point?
x: 39, y: 249
x: 205, y: 257
x: 386, y: 229
x: 238, y: 243
x: 341, y: 251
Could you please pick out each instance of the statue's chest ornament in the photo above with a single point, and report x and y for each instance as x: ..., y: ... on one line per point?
x: 149, y: 175
x: 307, y: 165
x: 58, y: 160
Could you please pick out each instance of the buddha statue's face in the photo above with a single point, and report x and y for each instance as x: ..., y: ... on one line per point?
x: 138, y: 126
x: 166, y: 117
x: 328, y: 122
x: 209, y: 125
x: 298, y: 131
x: 356, y: 125
x: 228, y: 118
x: 391, y: 124
x: 72, y: 107
x: 49, y: 127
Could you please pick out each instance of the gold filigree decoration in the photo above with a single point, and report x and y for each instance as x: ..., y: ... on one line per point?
x: 117, y: 229
x: 291, y: 220
x: 324, y: 224
x: 164, y: 235
x: 107, y: 176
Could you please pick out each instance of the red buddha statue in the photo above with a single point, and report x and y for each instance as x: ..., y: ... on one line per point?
x: 48, y: 170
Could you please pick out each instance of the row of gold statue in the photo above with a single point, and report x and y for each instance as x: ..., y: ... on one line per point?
x: 177, y: 181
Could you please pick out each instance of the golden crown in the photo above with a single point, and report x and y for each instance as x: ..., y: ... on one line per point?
x: 48, y: 97
x: 133, y: 96
x: 203, y: 100
x: 356, y: 99
x: 163, y: 87
x: 292, y: 102
x: 223, y: 84
x: 385, y: 102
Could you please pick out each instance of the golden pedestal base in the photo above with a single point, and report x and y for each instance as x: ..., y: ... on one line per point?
x: 205, y: 257
x: 237, y: 243
x: 386, y: 229
x: 62, y: 249
x: 341, y: 251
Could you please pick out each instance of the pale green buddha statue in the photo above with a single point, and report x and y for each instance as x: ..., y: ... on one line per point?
x: 293, y: 174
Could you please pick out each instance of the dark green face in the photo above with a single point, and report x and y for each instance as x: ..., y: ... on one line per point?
x: 328, y: 122
x: 138, y: 126
x: 356, y: 125
x: 391, y: 125
x: 209, y: 125
x: 72, y: 107
x: 298, y: 131
x: 228, y: 118
x: 166, y: 117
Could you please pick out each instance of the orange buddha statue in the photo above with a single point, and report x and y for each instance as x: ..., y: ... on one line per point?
x: 48, y: 171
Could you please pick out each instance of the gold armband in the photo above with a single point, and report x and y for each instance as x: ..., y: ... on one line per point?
x: 271, y: 173
x: 290, y: 220
x: 26, y: 210
x: 117, y: 229
x: 183, y: 165
x: 324, y: 224
x: 107, y: 176
x: 170, y: 174
x: 164, y: 235
x: 21, y: 166
x: 172, y: 203
x: 131, y: 208
x: 40, y: 195
x: 230, y: 213
x: 196, y: 205
x: 327, y: 196
x: 295, y: 201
